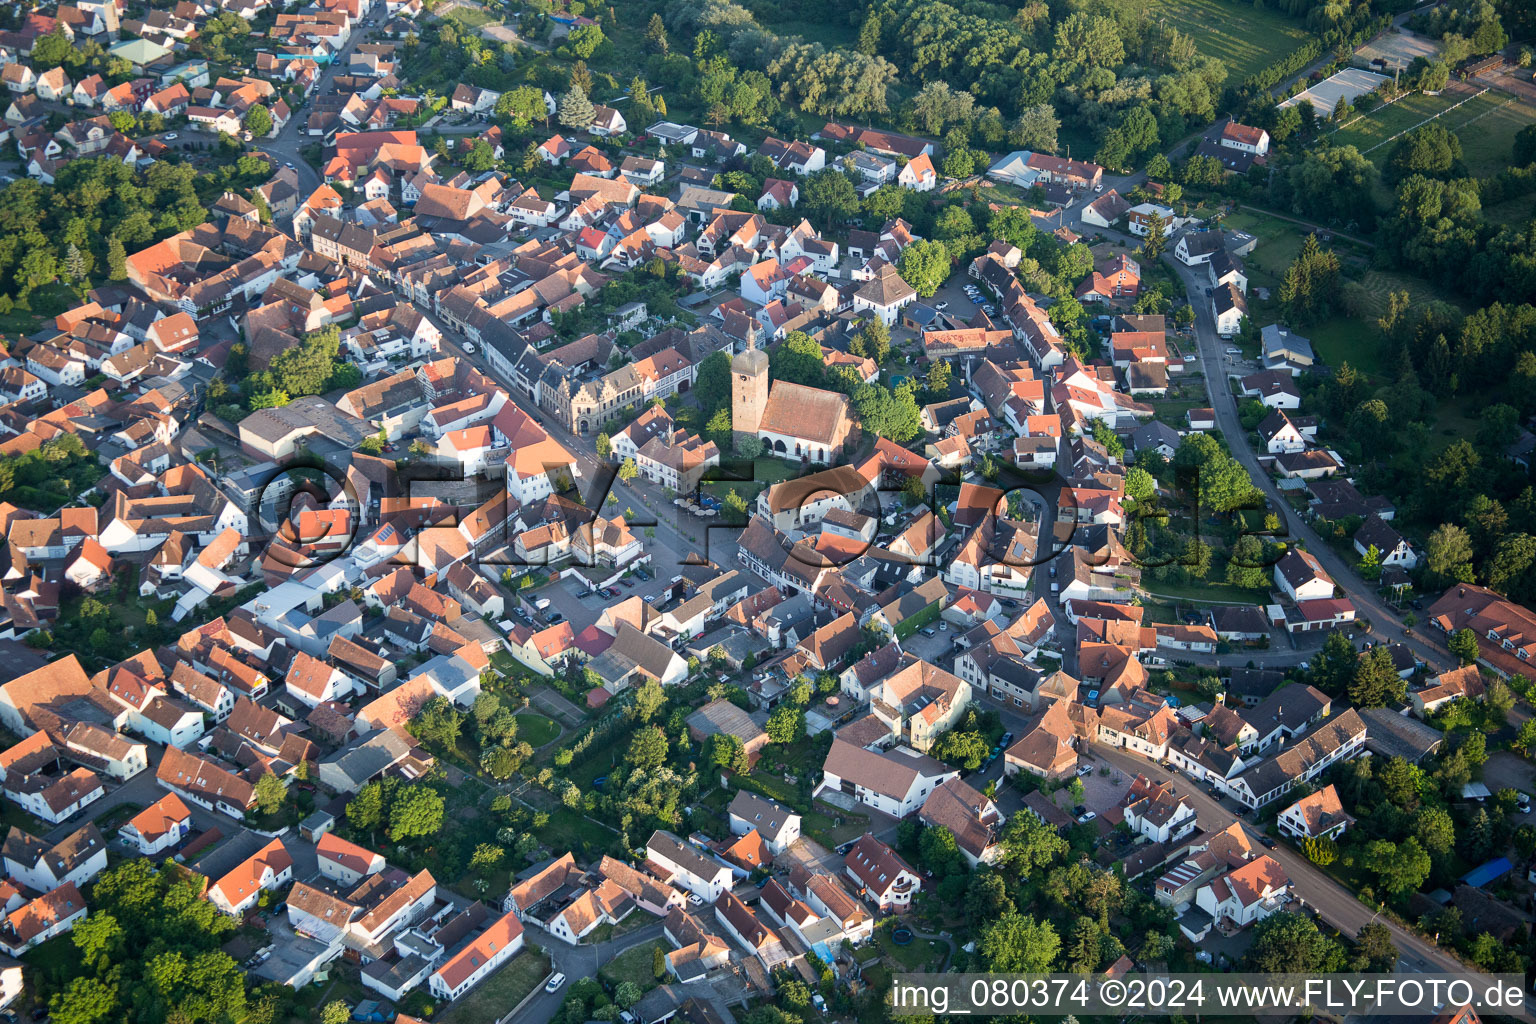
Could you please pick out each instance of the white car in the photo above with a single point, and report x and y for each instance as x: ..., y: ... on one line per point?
x: 1099, y: 187
x: 695, y: 899
x: 1085, y: 769
x: 1083, y: 819
x: 941, y: 305
x: 555, y: 982
x: 169, y: 136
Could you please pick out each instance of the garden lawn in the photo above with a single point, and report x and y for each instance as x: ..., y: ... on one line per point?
x: 535, y: 729
x: 1213, y: 590
x: 635, y: 965
x: 574, y: 831
x: 1243, y: 37
x: 918, y: 955
x: 494, y: 997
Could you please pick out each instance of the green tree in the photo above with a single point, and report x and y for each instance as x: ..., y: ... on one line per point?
x: 522, y: 106
x: 925, y: 266
x: 786, y: 724
x: 1448, y: 555
x: 1400, y: 868
x: 628, y: 470
x: 1029, y: 845
x: 335, y: 1012
x: 258, y: 121
x: 415, y: 810
x: 575, y: 110
x: 648, y: 748
x: 1376, y: 683
x: 270, y: 793
x: 84, y: 1001
x: 117, y: 259
x: 1333, y: 670
x: 1463, y: 644
x: 604, y: 446
x: 1374, y: 951
x: 649, y: 700
x: 656, y: 35
x: 1014, y: 943
x: 366, y: 810
x: 95, y: 935
x: 1290, y: 943
x: 1246, y: 563
x: 828, y: 198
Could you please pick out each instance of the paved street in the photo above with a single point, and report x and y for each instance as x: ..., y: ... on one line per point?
x: 1386, y: 623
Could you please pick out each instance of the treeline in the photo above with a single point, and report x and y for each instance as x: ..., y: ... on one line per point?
x: 1274, y: 74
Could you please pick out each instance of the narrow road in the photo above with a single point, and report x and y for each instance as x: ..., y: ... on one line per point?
x: 1386, y: 626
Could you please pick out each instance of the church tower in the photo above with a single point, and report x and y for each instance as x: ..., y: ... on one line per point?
x: 749, y: 391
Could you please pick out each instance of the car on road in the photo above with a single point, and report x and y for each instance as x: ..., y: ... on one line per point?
x: 169, y: 137
x: 1085, y: 769
x: 469, y: 347
x: 555, y: 982
x: 1266, y: 842
x: 1099, y: 187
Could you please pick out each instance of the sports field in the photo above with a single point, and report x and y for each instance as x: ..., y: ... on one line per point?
x: 1366, y: 132
x: 1243, y: 38
x: 1486, y: 125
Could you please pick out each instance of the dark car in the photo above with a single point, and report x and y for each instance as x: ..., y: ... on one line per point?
x: 1266, y: 842
x: 555, y: 618
x: 1079, y: 809
x: 1007, y: 739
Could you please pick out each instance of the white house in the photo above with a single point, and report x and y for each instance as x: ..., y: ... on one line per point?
x: 479, y: 959
x: 269, y: 868
x: 344, y: 862
x: 1156, y: 812
x: 1391, y: 547
x: 1247, y: 893
x: 884, y: 878
x: 1229, y: 307
x: 75, y: 859
x: 1302, y: 577
x: 690, y: 869
x: 778, y: 826
x: 1315, y: 816
x: 159, y: 826
x: 896, y: 782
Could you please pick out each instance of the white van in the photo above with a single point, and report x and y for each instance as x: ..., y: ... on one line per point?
x: 541, y: 603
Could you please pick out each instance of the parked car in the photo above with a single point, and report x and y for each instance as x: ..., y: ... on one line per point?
x: 1083, y: 819
x: 941, y: 306
x: 555, y: 982
x: 1266, y: 842
x: 171, y: 137
x: 555, y: 618
x: 1085, y: 769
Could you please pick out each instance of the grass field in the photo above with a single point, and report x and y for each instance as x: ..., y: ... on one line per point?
x: 495, y: 996
x: 1244, y: 39
x: 1487, y: 143
x: 536, y: 729
x: 1355, y: 340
